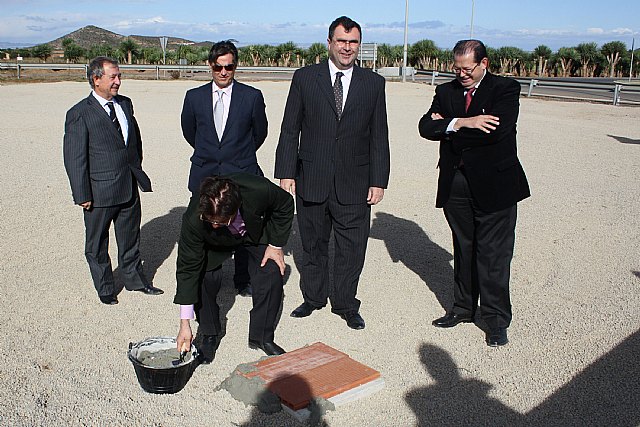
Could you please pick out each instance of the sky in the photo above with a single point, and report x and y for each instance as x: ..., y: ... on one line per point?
x: 555, y: 23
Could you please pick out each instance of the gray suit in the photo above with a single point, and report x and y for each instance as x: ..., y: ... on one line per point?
x: 105, y: 171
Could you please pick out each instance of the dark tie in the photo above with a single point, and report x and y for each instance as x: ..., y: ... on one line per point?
x: 114, y: 118
x: 467, y: 98
x: 337, y: 92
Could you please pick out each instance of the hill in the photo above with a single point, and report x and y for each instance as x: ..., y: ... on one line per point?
x: 91, y: 35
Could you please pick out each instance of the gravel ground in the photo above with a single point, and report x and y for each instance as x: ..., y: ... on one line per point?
x: 575, y: 337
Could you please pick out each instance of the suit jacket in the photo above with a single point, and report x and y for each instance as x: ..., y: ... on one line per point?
x: 267, y: 211
x: 244, y: 132
x: 491, y: 163
x: 101, y: 168
x: 321, y: 151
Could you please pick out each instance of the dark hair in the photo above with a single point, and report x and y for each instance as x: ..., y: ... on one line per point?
x: 219, y: 198
x: 464, y: 47
x: 221, y: 48
x: 348, y: 24
x: 96, y: 67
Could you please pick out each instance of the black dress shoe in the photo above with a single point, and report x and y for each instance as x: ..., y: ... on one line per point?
x: 245, y: 290
x: 354, y: 320
x: 207, y: 349
x: 270, y: 348
x: 450, y: 320
x: 304, y: 310
x: 108, y: 299
x: 497, y: 337
x: 150, y: 290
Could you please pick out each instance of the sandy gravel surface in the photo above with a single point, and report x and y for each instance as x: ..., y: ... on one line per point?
x: 573, y: 357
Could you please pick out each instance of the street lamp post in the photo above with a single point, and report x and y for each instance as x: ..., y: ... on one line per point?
x: 473, y: 3
x: 406, y: 36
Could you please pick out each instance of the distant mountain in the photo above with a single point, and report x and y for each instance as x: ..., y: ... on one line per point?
x: 91, y: 35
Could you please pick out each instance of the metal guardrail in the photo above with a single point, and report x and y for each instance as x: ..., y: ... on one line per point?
x: 157, y: 68
x: 606, y: 91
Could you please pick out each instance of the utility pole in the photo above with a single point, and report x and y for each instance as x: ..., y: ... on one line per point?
x: 633, y: 41
x: 473, y: 3
x: 406, y: 37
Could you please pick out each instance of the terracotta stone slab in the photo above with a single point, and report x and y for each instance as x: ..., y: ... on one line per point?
x: 309, y: 372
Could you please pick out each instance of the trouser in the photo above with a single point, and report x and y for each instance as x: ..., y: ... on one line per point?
x: 350, y: 225
x: 267, y: 296
x: 126, y: 220
x: 482, y: 250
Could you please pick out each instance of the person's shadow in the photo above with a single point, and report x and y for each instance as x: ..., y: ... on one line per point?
x: 407, y: 243
x: 625, y: 140
x: 604, y: 393
x: 158, y: 238
x: 453, y: 400
x: 267, y: 405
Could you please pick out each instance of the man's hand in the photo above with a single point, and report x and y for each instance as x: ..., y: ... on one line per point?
x: 436, y: 116
x: 375, y: 195
x: 183, y: 341
x: 485, y: 122
x: 276, y: 255
x: 288, y: 185
x: 86, y: 205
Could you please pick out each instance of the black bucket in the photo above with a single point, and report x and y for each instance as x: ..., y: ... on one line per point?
x: 166, y: 379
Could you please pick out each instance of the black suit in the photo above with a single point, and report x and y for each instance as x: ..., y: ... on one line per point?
x: 267, y: 211
x: 244, y: 132
x: 480, y: 182
x: 334, y: 162
x: 106, y: 171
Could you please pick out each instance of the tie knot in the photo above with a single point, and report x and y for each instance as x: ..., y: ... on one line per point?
x: 339, y: 74
x: 110, y: 105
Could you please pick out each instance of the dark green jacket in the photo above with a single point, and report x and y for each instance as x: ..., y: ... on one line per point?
x: 267, y: 211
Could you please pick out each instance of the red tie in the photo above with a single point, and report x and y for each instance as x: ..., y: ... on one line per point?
x: 467, y: 98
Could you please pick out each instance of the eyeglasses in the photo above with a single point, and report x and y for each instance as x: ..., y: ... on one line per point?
x: 343, y: 43
x: 229, y: 67
x: 217, y: 223
x: 466, y: 71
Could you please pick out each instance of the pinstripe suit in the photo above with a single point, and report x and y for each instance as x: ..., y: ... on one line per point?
x: 105, y: 171
x: 334, y: 162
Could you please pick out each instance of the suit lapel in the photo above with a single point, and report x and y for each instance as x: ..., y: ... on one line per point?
x: 481, y: 95
x: 104, y: 117
x: 355, y: 87
x: 324, y: 82
x: 237, y: 96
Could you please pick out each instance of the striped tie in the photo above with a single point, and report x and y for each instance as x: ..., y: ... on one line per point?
x: 114, y: 118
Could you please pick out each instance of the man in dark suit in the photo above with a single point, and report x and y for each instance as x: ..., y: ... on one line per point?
x: 227, y: 212
x: 333, y: 154
x: 225, y: 123
x: 481, y: 180
x: 103, y: 159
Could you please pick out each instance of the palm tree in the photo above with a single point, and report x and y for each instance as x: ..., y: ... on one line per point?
x: 613, y: 51
x: 129, y: 47
x: 543, y: 53
x: 510, y: 59
x: 567, y: 57
x: 588, y: 53
x: 318, y: 52
x: 285, y: 51
x: 423, y: 53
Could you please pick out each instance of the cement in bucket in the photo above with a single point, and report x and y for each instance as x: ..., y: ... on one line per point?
x: 153, y: 360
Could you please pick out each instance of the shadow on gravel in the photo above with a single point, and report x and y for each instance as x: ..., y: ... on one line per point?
x: 407, y: 243
x: 625, y: 140
x: 604, y: 393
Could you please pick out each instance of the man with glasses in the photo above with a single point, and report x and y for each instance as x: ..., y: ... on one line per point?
x: 333, y: 155
x: 481, y: 180
x: 225, y: 122
x: 228, y: 212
